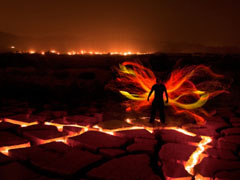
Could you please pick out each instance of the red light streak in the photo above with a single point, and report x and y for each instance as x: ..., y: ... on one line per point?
x: 185, y: 96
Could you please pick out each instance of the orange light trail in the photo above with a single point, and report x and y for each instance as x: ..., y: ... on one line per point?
x: 185, y: 97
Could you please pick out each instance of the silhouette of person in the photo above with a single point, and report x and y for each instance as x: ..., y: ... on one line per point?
x: 158, y: 103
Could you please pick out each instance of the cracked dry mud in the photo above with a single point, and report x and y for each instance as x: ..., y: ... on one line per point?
x: 42, y: 152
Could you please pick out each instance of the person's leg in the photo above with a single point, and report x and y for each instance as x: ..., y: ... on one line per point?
x: 153, y: 113
x: 162, y: 115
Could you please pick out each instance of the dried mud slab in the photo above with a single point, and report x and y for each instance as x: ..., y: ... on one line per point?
x: 125, y: 168
x: 94, y: 140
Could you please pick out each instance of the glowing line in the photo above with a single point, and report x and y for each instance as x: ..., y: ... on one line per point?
x: 195, y: 158
x: 133, y: 96
x: 5, y: 149
x: 199, y: 103
x: 21, y: 123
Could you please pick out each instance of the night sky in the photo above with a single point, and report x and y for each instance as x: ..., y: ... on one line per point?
x: 122, y: 25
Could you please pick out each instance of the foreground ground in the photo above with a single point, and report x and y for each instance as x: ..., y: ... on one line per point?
x: 83, y: 147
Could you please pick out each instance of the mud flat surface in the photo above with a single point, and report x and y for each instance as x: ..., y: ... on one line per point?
x: 46, y: 152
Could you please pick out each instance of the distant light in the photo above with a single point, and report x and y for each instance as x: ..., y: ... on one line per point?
x: 127, y: 53
x: 53, y: 51
x: 128, y: 121
x: 12, y: 47
x: 32, y: 51
x: 89, y: 52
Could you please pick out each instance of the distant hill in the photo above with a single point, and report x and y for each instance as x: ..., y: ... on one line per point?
x: 6, y: 41
x: 65, y: 43
x: 197, y: 48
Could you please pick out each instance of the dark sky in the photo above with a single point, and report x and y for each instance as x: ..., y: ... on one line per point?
x: 124, y: 24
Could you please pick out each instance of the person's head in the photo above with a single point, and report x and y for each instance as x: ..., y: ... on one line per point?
x: 158, y: 80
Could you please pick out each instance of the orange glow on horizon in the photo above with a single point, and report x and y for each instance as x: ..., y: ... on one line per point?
x: 32, y: 51
x: 84, y: 52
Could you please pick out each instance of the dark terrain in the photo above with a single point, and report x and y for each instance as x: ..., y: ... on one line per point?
x: 74, y: 90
